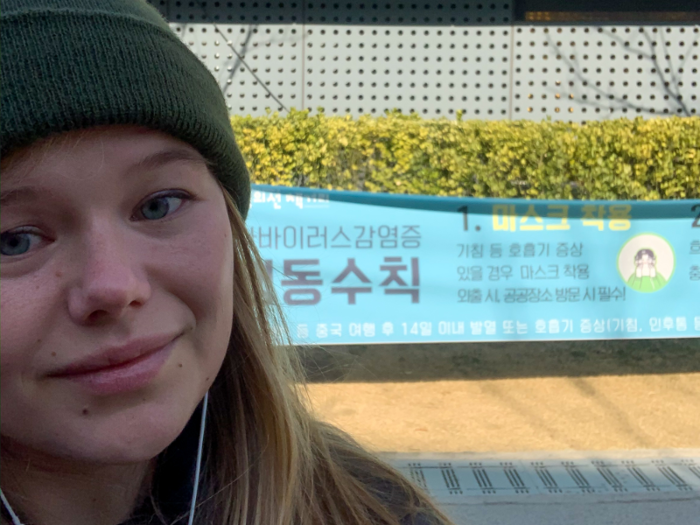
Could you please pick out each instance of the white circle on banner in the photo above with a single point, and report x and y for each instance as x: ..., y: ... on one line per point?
x: 646, y: 262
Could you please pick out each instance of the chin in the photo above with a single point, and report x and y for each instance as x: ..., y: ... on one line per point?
x: 138, y: 440
x: 129, y: 436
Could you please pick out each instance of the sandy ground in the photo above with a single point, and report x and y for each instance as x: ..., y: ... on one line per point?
x: 518, y: 414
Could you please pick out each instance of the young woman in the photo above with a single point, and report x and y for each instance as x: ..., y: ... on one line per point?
x: 145, y: 371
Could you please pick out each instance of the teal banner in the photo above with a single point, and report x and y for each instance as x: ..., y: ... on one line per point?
x: 359, y: 268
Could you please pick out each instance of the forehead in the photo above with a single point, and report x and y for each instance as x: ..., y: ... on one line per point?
x: 139, y: 148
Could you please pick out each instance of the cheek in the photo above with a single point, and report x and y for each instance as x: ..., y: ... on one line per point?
x: 26, y: 307
x: 206, y: 258
x: 27, y: 312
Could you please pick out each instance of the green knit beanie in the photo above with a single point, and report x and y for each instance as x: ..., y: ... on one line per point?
x: 75, y: 64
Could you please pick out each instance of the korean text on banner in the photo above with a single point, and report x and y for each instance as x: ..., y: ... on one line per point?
x: 375, y: 268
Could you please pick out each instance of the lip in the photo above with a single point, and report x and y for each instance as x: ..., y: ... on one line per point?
x: 121, y: 369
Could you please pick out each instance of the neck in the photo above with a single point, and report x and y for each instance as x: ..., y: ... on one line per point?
x: 55, y: 491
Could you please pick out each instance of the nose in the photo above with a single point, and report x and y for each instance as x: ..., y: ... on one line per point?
x: 112, y: 278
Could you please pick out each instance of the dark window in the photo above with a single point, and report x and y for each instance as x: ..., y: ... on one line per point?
x: 607, y: 10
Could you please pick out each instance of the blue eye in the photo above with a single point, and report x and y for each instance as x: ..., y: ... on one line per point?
x: 18, y: 242
x: 159, y: 207
x: 15, y: 242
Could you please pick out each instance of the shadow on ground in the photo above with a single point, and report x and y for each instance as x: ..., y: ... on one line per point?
x: 460, y: 361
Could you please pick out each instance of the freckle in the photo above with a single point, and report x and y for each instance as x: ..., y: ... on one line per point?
x: 53, y: 354
x: 179, y: 365
x: 38, y: 341
x: 85, y: 411
x: 207, y: 379
x: 59, y: 273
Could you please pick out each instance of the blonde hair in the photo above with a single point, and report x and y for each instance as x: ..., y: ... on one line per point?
x: 268, y: 460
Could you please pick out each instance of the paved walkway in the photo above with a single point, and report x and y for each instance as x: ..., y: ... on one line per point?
x: 547, y: 413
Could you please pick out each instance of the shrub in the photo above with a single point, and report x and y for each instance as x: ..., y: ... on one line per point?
x: 395, y: 153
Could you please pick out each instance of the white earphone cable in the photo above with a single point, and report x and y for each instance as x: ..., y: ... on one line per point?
x: 6, y: 504
x: 200, y: 446
x: 198, y: 468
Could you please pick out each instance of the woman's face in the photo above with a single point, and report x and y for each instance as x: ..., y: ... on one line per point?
x: 645, y: 259
x: 100, y: 251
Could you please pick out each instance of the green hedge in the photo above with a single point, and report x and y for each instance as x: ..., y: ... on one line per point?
x: 395, y: 153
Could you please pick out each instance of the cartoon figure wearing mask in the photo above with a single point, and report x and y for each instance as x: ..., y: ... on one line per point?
x: 645, y: 277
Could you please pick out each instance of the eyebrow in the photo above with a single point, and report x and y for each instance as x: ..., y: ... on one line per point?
x: 156, y: 160
x: 151, y: 162
x: 25, y: 193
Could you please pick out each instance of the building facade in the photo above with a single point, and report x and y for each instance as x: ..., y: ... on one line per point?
x: 576, y: 61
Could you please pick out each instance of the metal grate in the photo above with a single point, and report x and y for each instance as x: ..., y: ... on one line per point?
x: 408, y: 12
x: 403, y: 12
x: 460, y: 479
x: 436, y: 59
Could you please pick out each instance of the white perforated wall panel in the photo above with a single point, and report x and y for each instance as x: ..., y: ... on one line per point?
x: 583, y: 73
x: 430, y: 70
x: 436, y: 58
x: 272, y: 55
